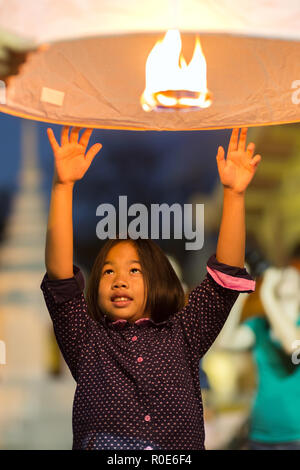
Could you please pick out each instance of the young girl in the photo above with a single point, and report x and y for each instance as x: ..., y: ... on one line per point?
x: 131, y: 345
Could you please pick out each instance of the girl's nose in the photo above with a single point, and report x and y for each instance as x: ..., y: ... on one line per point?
x: 120, y: 283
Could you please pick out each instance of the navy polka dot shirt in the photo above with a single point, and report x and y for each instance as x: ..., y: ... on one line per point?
x: 138, y: 383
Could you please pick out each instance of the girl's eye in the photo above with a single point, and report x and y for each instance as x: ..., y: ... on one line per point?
x: 107, y: 271
x: 136, y: 270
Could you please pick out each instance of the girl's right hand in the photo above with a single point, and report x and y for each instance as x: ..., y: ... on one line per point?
x: 71, y: 163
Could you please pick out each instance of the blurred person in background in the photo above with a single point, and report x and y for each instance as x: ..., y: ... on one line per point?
x: 274, y: 421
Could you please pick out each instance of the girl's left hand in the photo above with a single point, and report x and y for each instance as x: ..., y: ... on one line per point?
x: 238, y: 169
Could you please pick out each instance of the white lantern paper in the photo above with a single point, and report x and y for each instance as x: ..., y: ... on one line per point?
x: 90, y: 70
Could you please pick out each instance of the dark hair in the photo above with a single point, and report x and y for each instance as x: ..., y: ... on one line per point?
x: 165, y: 294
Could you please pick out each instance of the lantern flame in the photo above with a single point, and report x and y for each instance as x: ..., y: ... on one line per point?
x: 170, y: 82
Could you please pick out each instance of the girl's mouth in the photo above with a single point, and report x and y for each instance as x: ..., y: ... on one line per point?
x: 121, y: 301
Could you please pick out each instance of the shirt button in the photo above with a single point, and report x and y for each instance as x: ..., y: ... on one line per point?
x: 147, y: 418
x: 148, y: 448
x: 140, y: 359
x: 134, y: 338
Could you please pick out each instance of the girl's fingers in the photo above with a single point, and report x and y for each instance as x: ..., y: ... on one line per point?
x: 233, y: 140
x: 74, y: 134
x: 92, y: 152
x: 243, y: 138
x: 64, y: 135
x: 84, y: 139
x: 52, y: 139
x: 220, y: 153
x: 255, y: 161
x: 250, y: 149
x: 221, y: 158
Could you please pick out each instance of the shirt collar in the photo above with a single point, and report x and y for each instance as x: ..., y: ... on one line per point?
x: 144, y: 321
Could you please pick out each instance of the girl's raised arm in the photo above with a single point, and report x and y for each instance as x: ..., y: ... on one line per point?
x: 235, y: 172
x: 70, y: 165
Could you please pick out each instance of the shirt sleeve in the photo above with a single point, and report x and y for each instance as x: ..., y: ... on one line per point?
x: 210, y: 304
x: 68, y: 310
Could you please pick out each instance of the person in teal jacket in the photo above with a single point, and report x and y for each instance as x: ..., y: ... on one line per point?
x: 274, y: 338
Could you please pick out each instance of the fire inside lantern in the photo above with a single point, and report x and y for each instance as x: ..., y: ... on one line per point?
x: 170, y: 82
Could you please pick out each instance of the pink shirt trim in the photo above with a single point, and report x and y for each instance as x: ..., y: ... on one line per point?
x: 140, y: 320
x: 121, y: 320
x: 231, y: 282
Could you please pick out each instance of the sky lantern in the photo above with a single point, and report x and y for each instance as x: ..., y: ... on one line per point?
x: 159, y: 65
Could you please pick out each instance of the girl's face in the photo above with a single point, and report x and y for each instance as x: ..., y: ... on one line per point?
x: 121, y: 293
